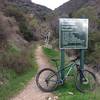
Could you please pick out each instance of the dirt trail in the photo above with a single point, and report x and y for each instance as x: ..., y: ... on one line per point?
x: 31, y: 92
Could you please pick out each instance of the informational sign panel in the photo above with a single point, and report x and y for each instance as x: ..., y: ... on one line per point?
x: 73, y: 33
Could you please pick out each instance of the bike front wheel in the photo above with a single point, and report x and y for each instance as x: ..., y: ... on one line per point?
x: 47, y: 80
x: 85, y: 82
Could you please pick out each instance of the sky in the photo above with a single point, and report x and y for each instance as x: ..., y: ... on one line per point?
x: 52, y: 4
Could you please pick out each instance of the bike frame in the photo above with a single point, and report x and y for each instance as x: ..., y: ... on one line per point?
x: 67, y: 69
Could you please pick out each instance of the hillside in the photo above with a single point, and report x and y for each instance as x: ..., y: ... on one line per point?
x: 23, y: 24
x: 70, y: 7
x: 31, y: 21
x: 37, y: 10
x: 79, y: 8
x: 17, y: 63
x: 31, y: 15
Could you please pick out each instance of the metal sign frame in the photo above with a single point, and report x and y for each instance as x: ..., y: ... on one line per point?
x: 78, y: 20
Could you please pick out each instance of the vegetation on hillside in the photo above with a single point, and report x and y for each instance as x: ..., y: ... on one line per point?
x: 17, y: 62
x: 22, y: 22
x: 13, y: 11
x: 90, y: 12
x: 20, y: 27
x: 16, y: 69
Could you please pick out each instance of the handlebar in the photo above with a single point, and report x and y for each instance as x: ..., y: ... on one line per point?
x: 73, y: 60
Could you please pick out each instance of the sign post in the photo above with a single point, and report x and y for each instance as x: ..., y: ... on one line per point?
x: 73, y: 34
x: 82, y: 59
x: 62, y: 62
x: 81, y: 63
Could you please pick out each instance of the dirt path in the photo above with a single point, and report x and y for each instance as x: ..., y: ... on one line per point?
x: 31, y: 92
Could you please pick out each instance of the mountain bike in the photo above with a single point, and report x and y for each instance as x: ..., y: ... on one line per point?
x: 48, y: 80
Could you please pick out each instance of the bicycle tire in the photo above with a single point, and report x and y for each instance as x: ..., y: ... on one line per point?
x: 84, y: 87
x: 40, y: 84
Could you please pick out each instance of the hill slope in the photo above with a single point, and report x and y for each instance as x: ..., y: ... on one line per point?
x: 35, y: 9
x: 70, y: 6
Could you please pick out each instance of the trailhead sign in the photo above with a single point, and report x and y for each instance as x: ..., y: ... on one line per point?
x: 73, y: 33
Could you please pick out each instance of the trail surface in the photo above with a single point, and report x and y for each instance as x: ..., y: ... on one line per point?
x: 31, y: 92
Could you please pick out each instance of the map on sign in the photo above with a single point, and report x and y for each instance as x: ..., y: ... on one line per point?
x: 73, y: 33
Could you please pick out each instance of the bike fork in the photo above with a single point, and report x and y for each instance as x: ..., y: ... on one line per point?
x: 82, y: 77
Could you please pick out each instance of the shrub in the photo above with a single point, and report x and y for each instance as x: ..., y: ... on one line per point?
x: 2, y: 41
x: 2, y: 33
x: 18, y: 60
x: 16, y: 12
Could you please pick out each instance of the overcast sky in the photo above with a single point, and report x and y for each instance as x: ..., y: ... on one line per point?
x: 50, y: 3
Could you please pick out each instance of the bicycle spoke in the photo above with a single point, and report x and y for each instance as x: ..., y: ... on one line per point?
x: 47, y: 80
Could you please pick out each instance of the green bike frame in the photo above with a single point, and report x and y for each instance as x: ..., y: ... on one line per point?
x: 67, y: 69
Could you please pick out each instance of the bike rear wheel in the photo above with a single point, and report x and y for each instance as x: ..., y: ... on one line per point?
x: 87, y: 83
x: 47, y: 80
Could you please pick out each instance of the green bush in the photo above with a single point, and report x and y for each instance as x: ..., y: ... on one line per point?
x: 16, y: 59
x: 17, y: 13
